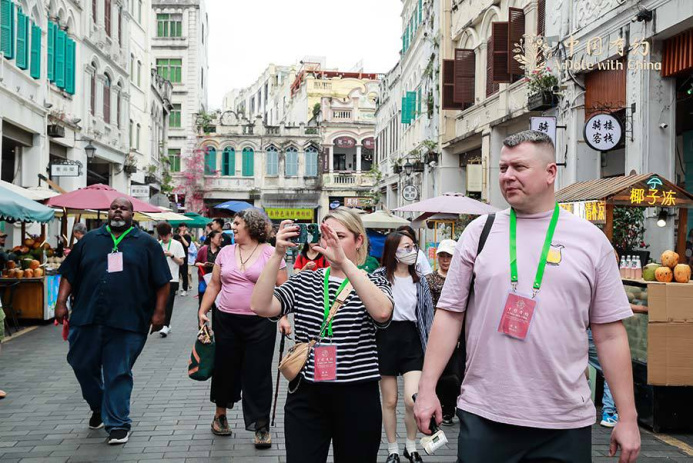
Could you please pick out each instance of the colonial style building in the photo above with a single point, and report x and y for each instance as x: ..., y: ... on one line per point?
x: 274, y: 167
x: 179, y: 50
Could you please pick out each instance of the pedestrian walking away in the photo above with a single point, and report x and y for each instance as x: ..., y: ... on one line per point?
x: 244, y: 341
x: 120, y: 281
x: 175, y: 256
x: 183, y: 236
x: 401, y: 346
x: 335, y: 400
x: 448, y: 387
x: 544, y: 277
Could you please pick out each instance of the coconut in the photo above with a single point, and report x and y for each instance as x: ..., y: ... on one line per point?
x: 682, y: 273
x: 670, y: 259
x: 664, y: 274
x: 648, y: 272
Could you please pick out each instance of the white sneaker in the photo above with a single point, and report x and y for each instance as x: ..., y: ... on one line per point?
x: 164, y: 331
x: 183, y: 293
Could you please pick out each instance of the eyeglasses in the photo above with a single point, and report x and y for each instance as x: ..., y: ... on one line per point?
x: 406, y: 250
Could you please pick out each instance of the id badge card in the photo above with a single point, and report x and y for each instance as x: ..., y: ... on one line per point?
x: 518, y: 313
x: 115, y: 262
x: 325, y: 363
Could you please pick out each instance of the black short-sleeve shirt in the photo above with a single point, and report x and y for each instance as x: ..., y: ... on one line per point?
x: 123, y: 300
x: 353, y: 328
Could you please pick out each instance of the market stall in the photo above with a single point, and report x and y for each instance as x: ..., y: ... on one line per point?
x: 28, y: 285
x: 441, y: 214
x: 661, y: 331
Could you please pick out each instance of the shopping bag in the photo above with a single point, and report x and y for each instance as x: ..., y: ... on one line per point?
x: 201, y: 364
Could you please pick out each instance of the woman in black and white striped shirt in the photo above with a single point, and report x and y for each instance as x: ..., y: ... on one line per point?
x: 345, y: 410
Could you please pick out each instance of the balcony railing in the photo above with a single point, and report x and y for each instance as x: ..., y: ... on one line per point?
x: 348, y: 179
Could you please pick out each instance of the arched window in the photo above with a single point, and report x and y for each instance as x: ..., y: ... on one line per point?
x: 228, y: 161
x: 107, y: 99
x: 311, y: 162
x: 291, y: 163
x: 210, y: 160
x: 93, y: 91
x: 248, y: 162
x: 272, y: 161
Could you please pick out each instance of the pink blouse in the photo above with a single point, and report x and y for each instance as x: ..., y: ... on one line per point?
x: 237, y: 286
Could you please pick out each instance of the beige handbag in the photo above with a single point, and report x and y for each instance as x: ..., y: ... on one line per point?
x: 297, y: 357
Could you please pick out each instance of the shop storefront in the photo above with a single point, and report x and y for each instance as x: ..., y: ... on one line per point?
x: 660, y: 333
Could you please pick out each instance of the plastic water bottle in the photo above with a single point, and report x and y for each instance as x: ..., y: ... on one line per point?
x: 629, y: 268
x: 637, y: 269
x: 622, y: 267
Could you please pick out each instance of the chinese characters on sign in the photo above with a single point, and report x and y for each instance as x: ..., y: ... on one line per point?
x: 594, y: 211
x: 287, y: 213
x: 345, y: 142
x: 65, y: 170
x: 544, y: 124
x: 139, y: 191
x: 603, y: 132
x: 650, y: 197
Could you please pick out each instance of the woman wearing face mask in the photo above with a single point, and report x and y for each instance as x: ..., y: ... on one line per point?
x: 402, y: 345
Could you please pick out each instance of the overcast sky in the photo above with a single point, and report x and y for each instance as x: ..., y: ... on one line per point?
x: 247, y: 35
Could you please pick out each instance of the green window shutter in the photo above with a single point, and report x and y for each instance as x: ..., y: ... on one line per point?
x: 405, y: 111
x: 35, y: 51
x: 418, y: 102
x: 248, y: 162
x: 210, y: 161
x: 70, y: 66
x: 60, y: 58
x: 420, y: 10
x: 411, y: 106
x: 22, y: 40
x: 51, y: 51
x: 228, y: 162
x: 7, y: 28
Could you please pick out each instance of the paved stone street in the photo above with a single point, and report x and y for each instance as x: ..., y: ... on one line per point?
x: 45, y: 419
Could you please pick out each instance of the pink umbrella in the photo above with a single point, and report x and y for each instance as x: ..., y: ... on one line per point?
x: 450, y: 203
x: 97, y: 197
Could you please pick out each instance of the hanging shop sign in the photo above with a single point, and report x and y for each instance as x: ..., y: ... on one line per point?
x: 603, y: 132
x: 593, y: 211
x: 545, y: 124
x: 140, y: 191
x: 656, y: 194
x: 410, y: 193
x: 345, y: 142
x: 356, y: 202
x: 66, y: 168
x: 277, y: 213
x: 369, y: 143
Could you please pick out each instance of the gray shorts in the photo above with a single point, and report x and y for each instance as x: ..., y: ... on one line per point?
x: 485, y: 441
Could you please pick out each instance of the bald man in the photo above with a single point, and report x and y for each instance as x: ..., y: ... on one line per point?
x: 120, y: 281
x: 544, y: 276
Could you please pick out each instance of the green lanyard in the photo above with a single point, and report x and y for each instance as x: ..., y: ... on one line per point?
x: 326, y: 299
x: 116, y: 241
x: 544, y: 251
x: 169, y: 244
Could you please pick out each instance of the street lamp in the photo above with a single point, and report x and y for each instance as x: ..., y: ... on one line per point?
x: 90, y: 150
x: 408, y: 168
x: 662, y: 219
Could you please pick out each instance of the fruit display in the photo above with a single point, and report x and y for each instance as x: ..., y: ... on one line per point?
x: 648, y: 272
x: 670, y: 259
x: 664, y: 275
x: 27, y: 260
x: 682, y: 273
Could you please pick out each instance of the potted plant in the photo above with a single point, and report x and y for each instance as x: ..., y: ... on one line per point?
x: 629, y: 232
x: 130, y: 164
x: 418, y: 166
x: 150, y: 176
x: 540, y: 86
x: 431, y: 153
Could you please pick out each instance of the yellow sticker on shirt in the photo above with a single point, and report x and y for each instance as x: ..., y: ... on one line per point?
x: 555, y: 254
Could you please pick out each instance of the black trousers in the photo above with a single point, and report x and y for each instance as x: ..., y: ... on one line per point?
x: 485, y: 441
x: 184, y: 274
x: 349, y: 415
x: 243, y: 365
x: 169, y: 302
x: 448, y: 387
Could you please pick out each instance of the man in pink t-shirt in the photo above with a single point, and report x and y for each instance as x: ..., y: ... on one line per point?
x: 525, y: 396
